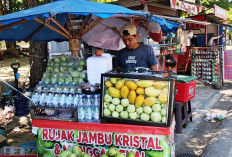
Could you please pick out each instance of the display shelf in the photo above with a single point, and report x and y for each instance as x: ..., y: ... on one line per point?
x: 59, y: 113
x: 203, y: 64
x: 135, y: 98
x: 207, y: 47
x: 163, y: 45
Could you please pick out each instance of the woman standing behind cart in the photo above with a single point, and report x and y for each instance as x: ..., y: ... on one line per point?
x: 170, y: 63
x: 135, y: 54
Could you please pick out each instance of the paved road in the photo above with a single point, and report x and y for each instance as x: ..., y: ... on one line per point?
x: 208, y: 139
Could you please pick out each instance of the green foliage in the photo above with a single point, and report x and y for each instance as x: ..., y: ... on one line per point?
x: 209, y: 4
x: 226, y: 4
x: 10, y: 6
x: 18, y: 5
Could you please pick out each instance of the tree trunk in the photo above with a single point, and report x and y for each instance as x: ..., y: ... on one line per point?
x: 10, y: 6
x: 11, y: 49
x: 38, y: 53
x: 38, y: 56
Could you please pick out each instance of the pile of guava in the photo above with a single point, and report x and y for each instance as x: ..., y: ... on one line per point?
x: 121, y: 108
x: 65, y: 69
x: 134, y: 99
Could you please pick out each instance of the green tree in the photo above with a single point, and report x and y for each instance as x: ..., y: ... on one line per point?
x: 225, y: 4
x: 6, y: 7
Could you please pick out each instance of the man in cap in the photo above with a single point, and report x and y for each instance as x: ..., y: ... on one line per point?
x: 135, y: 54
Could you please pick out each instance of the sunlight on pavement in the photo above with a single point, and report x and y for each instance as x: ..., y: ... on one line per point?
x: 6, y: 72
x: 9, y: 140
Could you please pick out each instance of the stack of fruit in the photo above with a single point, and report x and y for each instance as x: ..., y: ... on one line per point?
x: 145, y: 100
x: 63, y: 69
x: 114, y: 152
x: 74, y: 151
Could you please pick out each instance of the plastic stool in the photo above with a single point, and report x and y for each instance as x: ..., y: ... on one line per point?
x: 183, y: 113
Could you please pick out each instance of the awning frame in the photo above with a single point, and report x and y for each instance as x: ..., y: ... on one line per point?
x: 181, y: 19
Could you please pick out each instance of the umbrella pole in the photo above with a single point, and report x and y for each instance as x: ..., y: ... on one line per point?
x: 74, y: 47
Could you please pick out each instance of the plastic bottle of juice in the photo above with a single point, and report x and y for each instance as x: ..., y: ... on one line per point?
x: 80, y: 109
x: 88, y: 109
x: 96, y: 108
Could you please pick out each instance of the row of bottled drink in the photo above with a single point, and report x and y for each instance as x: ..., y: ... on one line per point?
x: 53, y: 100
x: 57, y: 88
x: 87, y: 106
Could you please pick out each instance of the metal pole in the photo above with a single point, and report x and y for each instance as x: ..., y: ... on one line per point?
x: 15, y: 89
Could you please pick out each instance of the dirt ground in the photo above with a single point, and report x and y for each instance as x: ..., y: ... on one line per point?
x: 18, y: 128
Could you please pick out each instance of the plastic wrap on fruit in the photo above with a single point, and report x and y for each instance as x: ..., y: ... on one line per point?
x: 151, y: 91
x: 106, y: 112
x: 131, y: 84
x: 119, y: 108
x: 113, y: 80
x: 147, y: 110
x: 124, y: 91
x: 108, y: 83
x: 119, y: 83
x: 145, y: 83
x: 115, y: 114
x: 139, y: 110
x: 132, y: 96
x: 115, y: 101
x: 133, y: 115
x: 114, y: 92
x: 139, y: 100
x: 125, y: 102
x: 111, y: 107
x: 107, y: 98
x: 149, y: 101
x: 124, y: 114
x: 160, y: 84
x: 163, y: 97
x: 156, y: 117
x: 140, y: 90
x: 144, y: 117
x: 131, y: 108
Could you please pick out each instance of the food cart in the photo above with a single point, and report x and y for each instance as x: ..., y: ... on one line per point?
x: 59, y: 123
x: 136, y: 114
